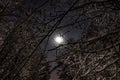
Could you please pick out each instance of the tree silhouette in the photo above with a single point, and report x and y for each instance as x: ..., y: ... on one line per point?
x: 25, y: 25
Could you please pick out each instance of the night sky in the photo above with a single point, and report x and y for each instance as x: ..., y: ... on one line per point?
x: 49, y: 29
x: 67, y: 33
x: 70, y: 33
x: 51, y: 9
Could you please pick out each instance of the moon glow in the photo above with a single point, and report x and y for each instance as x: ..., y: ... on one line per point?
x: 59, y: 39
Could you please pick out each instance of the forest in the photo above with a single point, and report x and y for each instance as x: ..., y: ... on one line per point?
x: 59, y: 40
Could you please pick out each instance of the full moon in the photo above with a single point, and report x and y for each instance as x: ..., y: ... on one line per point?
x: 59, y: 39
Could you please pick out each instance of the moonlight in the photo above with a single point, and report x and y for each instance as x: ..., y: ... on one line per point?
x: 59, y: 39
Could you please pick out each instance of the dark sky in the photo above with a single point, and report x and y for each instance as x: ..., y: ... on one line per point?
x: 54, y: 8
x: 47, y: 14
x: 69, y: 34
x: 73, y: 26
